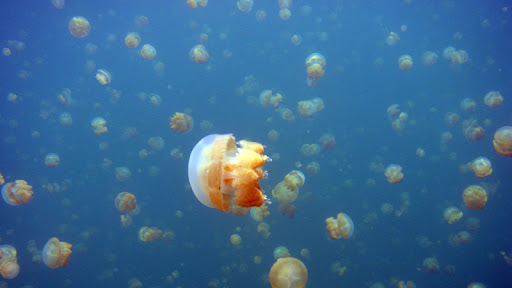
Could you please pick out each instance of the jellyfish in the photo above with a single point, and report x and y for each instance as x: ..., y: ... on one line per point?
x: 285, y: 14
x: 9, y: 267
x: 287, y: 209
x: 261, y: 15
x: 239, y: 211
x: 459, y: 57
x: 296, y: 39
x: 474, y: 197
x: 447, y: 52
x: 79, y: 27
x: 263, y: 229
x: 394, y: 174
x: 222, y: 172
x: 286, y: 114
x: 327, y: 141
x: 148, y: 52
x: 65, y: 119
x: 313, y: 168
x: 315, y: 66
x: 393, y: 111
x: 259, y: 213
x: 132, y: 40
x: 503, y: 141
x: 482, y: 167
x: 288, y: 272
x: 125, y: 202
x: 493, y: 99
x: 308, y: 108
x: 273, y: 135
x: 267, y: 99
x: 468, y: 105
x: 150, y: 234
x: 472, y: 131
x: 56, y: 253
x: 245, y: 6
x: 287, y: 190
x: 392, y: 39
x: 281, y: 252
x: 452, y: 214
x: 342, y: 226
x: 405, y: 62
x: 181, y: 122
x: 235, y: 239
x: 2, y: 180
x: 192, y: 4
x: 126, y: 220
x: 451, y: 119
x: 17, y: 192
x: 59, y: 4
x: 429, y: 58
x: 431, y: 265
x: 123, y: 173
x: 476, y: 285
x: 156, y: 143
x: 98, y: 124
x: 103, y: 76
x: 198, y: 54
x: 52, y: 160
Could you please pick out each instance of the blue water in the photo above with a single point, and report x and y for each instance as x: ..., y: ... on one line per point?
x: 356, y: 92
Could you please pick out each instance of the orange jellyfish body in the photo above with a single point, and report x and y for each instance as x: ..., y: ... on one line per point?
x: 475, y: 197
x: 452, y: 214
x: 149, y: 234
x: 503, y: 141
x: 132, y: 40
x: 126, y: 202
x: 342, y: 226
x: 493, y: 99
x: 98, y: 124
x: 56, y: 253
x: 148, y: 52
x: 16, y: 193
x: 405, y: 62
x: 394, y: 174
x: 181, y: 122
x: 222, y: 172
x: 198, y: 54
x: 473, y: 132
x: 315, y: 65
x: 103, y: 76
x: 79, y: 27
x: 9, y: 267
x: 482, y: 167
x: 288, y: 272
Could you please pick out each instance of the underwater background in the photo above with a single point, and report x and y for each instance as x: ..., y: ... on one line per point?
x: 49, y: 94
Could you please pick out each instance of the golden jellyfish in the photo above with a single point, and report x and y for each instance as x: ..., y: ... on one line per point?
x: 79, y: 27
x: 393, y: 111
x: 245, y: 6
x: 9, y: 267
x: 482, y: 167
x: 125, y: 202
x: 327, y: 141
x: 503, y: 141
x: 198, y: 54
x: 148, y: 52
x: 150, y: 234
x: 315, y: 66
x: 342, y: 226
x: 17, y: 192
x: 56, y: 253
x: 392, y: 39
x: 420, y: 152
x: 259, y: 213
x: 447, y: 52
x: 468, y: 105
x: 239, y: 211
x: 474, y: 197
x: 493, y: 99
x: 192, y: 4
x: 123, y: 173
x: 284, y: 3
x: 459, y: 57
x: 304, y: 252
x: 263, y: 229
x: 296, y: 39
x: 405, y: 62
x: 286, y: 114
x: 141, y: 21
x: 126, y: 220
x: 59, y: 4
x: 287, y: 190
x: 285, y: 14
x: 156, y: 143
x: 235, y: 239
x: 431, y: 265
x: 281, y: 252
x: 181, y: 122
x: 98, y: 124
x: 287, y: 209
x: 2, y: 180
x: 313, y: 168
x: 223, y: 172
x: 132, y: 40
x: 273, y: 135
x: 65, y: 119
x: 267, y: 99
x: 6, y: 51
x: 472, y: 131
x: 103, y: 77
x: 452, y: 214
x: 451, y: 119
x: 52, y: 160
x: 476, y: 285
x: 288, y: 272
x: 307, y: 108
x: 429, y: 58
x: 394, y: 174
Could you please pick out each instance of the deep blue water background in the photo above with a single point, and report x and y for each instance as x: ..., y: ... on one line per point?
x: 356, y: 93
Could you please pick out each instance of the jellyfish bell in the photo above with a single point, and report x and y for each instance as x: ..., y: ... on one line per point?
x: 132, y: 40
x: 288, y: 272
x: 56, y: 253
x: 17, y: 192
x: 103, y: 77
x: 503, y: 141
x: 79, y: 27
x: 198, y: 54
x: 315, y: 66
x: 222, y: 172
x: 342, y: 226
x: 405, y: 62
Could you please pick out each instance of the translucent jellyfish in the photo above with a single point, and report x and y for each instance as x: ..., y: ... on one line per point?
x: 273, y: 135
x: 150, y: 234
x: 287, y: 190
x: 304, y: 252
x: 125, y: 202
x: 296, y: 39
x: 493, y: 99
x: 56, y: 253
x: 59, y: 4
x: 261, y: 15
x: 222, y: 172
x: 79, y: 27
x: 459, y: 57
x: 393, y: 111
x: 286, y: 114
x: 482, y: 167
x: 52, y: 160
x: 386, y: 208
x: 263, y: 229
x: 285, y: 4
x: 307, y: 108
x: 192, y: 4
x: 156, y: 143
x: 181, y: 122
x: 327, y: 141
x: 313, y: 168
x: 98, y: 124
x: 245, y: 6
x: 285, y: 14
x: 9, y: 267
x: 392, y: 39
x: 267, y: 99
x: 198, y: 54
x: 405, y: 62
x: 288, y: 272
x: 503, y: 141
x: 123, y: 173
x: 429, y: 58
x: 451, y: 119
x: 447, y: 52
x: 259, y: 213
x: 2, y: 180
x: 474, y: 197
x: 141, y: 21
x: 17, y: 192
x: 476, y: 285
x: 281, y: 252
x: 103, y: 77
x: 431, y: 265
x: 235, y: 239
x: 452, y: 214
x: 239, y: 211
x: 468, y: 105
x: 148, y: 52
x: 126, y: 220
x: 472, y: 131
x: 315, y: 66
x: 287, y: 209
x: 342, y: 226
x: 132, y: 40
x: 65, y: 119
x: 394, y: 174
